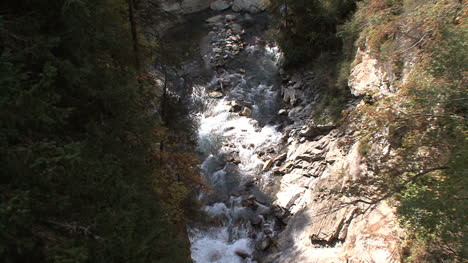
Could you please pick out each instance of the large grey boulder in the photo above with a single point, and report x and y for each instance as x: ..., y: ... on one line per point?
x: 220, y: 5
x: 185, y: 6
x: 251, y: 6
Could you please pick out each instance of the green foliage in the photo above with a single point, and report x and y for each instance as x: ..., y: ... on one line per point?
x: 314, y: 34
x: 77, y: 139
x: 423, y: 122
x: 308, y: 28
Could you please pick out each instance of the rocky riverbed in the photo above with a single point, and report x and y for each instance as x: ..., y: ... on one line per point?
x: 276, y: 174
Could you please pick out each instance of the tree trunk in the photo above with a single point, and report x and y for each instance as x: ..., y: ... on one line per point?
x: 133, y: 27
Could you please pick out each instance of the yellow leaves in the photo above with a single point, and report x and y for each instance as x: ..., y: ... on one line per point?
x: 177, y: 179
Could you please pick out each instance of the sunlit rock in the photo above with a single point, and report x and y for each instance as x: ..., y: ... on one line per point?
x: 220, y: 5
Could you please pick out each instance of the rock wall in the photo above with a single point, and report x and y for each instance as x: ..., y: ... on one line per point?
x: 320, y: 223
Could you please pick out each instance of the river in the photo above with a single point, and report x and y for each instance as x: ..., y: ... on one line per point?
x: 235, y: 112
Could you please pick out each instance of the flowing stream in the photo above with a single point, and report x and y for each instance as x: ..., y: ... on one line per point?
x: 235, y: 112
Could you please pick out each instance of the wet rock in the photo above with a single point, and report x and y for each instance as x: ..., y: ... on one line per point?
x: 256, y: 221
x: 247, y: 112
x: 279, y: 212
x: 278, y: 172
x: 220, y: 5
x: 231, y: 168
x: 215, y: 94
x: 268, y: 165
x: 270, y: 150
x: 236, y: 28
x: 250, y: 183
x: 215, y: 19
x: 235, y: 106
x: 231, y: 17
x: 215, y: 256
x: 263, y: 244
x: 242, y: 254
x: 233, y: 158
x: 282, y: 112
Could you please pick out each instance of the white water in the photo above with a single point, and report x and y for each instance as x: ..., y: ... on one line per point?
x: 221, y: 133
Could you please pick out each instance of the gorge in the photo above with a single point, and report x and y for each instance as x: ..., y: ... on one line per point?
x: 233, y: 131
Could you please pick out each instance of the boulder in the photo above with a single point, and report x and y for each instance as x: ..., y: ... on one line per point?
x: 368, y: 76
x: 268, y: 165
x: 282, y: 112
x: 279, y: 159
x: 315, y: 130
x: 220, y: 5
x: 215, y: 94
x: 251, y: 6
x: 256, y: 221
x: 235, y: 106
x: 263, y: 244
x: 231, y: 17
x: 247, y: 112
x: 215, y: 19
x: 242, y: 254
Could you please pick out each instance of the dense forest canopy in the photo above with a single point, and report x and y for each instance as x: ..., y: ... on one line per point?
x: 80, y: 139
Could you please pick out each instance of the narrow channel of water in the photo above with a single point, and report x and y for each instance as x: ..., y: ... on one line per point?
x: 235, y: 110
x: 234, y: 105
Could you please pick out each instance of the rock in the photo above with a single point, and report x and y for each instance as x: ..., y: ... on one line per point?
x: 278, y: 172
x: 247, y: 112
x: 215, y: 19
x: 220, y: 5
x: 291, y: 96
x: 247, y: 203
x: 230, y: 17
x: 316, y: 130
x: 263, y: 244
x: 268, y: 165
x: 231, y: 168
x: 236, y: 28
x: 282, y: 112
x: 256, y: 221
x: 192, y: 6
x: 251, y: 197
x: 233, y: 158
x: 252, y: 6
x: 242, y: 254
x: 229, y: 129
x: 185, y: 6
x: 368, y: 76
x: 250, y: 183
x: 279, y: 159
x: 215, y: 94
x: 235, y: 106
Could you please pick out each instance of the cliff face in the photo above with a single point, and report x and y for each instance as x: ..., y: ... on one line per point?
x: 321, y: 223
